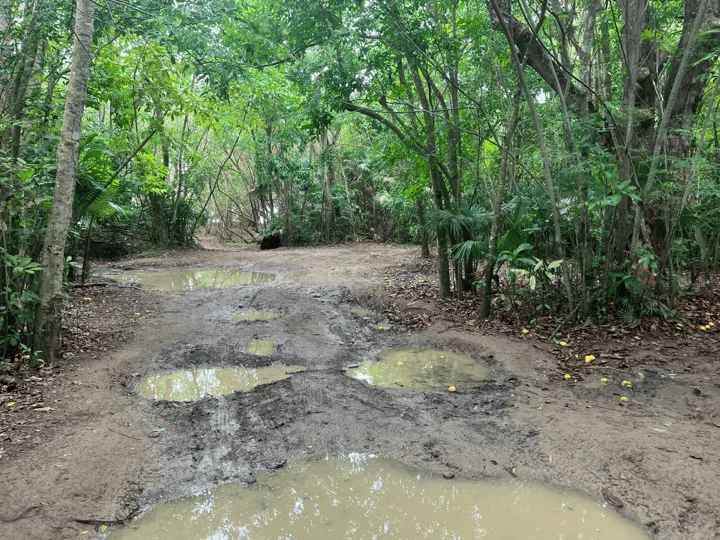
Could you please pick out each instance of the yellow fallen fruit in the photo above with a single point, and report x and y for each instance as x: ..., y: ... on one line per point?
x: 589, y: 358
x: 711, y: 324
x: 567, y: 376
x: 703, y: 328
x: 87, y: 298
x: 442, y: 356
x: 399, y: 364
x: 11, y: 404
x: 623, y: 398
x: 525, y: 330
x: 563, y: 344
x: 626, y: 383
x: 604, y: 379
x: 550, y: 459
x: 451, y: 388
x: 681, y: 325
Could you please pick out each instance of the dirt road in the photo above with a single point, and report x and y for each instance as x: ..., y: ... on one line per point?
x: 102, y: 454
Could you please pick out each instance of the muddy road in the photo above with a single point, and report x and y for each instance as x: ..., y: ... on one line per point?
x: 103, y: 455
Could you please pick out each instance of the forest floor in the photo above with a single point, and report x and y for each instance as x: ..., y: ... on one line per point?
x: 81, y: 452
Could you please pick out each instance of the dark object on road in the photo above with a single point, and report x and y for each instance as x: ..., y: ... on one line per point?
x: 271, y: 241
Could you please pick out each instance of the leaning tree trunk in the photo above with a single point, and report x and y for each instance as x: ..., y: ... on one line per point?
x: 48, y: 318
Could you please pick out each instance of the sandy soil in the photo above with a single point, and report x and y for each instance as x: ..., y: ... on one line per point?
x: 102, y: 454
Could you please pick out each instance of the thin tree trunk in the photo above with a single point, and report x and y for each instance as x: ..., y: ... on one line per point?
x: 661, y: 137
x: 48, y: 319
x: 550, y: 183
x: 497, y: 205
x: 424, y: 244
x: 86, y: 254
x: 160, y: 232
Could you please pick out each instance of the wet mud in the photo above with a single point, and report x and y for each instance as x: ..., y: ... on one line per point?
x: 112, y: 455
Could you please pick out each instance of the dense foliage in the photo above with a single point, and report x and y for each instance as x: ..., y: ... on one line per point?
x: 571, y: 147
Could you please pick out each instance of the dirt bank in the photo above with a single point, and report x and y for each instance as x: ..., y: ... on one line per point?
x: 102, y: 454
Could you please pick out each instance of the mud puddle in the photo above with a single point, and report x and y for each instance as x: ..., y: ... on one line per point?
x: 362, y: 312
x: 196, y: 384
x: 191, y: 280
x: 365, y: 497
x: 429, y: 369
x: 262, y: 347
x: 251, y: 316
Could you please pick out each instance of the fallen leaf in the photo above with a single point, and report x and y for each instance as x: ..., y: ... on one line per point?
x: 525, y: 330
x: 11, y: 404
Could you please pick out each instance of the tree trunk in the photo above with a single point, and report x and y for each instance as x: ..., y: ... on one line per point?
x: 424, y: 244
x: 497, y: 205
x: 160, y: 233
x: 48, y: 319
x: 549, y: 181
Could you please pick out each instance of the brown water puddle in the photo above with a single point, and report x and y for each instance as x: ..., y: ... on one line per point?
x: 196, y: 384
x: 367, y: 498
x: 256, y: 316
x: 191, y: 280
x: 363, y: 312
x: 428, y: 369
x: 262, y: 347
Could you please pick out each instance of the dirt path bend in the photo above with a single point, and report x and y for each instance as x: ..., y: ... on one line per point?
x: 102, y: 454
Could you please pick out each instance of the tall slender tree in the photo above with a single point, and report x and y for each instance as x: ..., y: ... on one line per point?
x: 49, y: 311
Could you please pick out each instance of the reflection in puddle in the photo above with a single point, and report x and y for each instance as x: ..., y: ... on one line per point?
x: 191, y: 280
x: 367, y: 498
x: 262, y: 347
x: 196, y: 384
x: 256, y: 316
x: 422, y: 370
